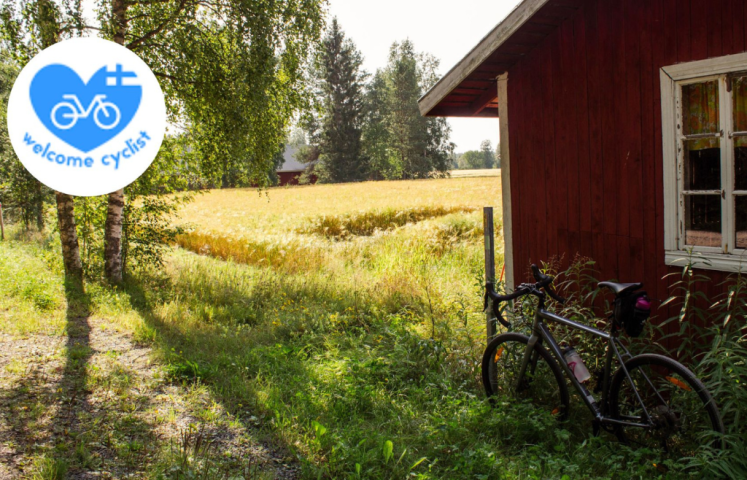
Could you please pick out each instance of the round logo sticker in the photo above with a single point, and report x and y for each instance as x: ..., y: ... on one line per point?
x: 86, y: 117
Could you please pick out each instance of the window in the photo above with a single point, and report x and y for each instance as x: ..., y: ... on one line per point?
x: 704, y: 127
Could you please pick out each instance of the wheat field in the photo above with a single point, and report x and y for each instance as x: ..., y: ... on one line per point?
x: 282, y: 210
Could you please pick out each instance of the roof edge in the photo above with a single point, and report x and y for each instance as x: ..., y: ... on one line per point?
x: 502, y: 32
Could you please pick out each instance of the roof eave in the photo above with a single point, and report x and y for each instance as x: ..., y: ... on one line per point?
x: 497, y: 37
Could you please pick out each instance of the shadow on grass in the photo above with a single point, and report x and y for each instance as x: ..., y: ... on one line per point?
x: 30, y: 405
x: 78, y: 353
x: 207, y: 357
x: 54, y: 429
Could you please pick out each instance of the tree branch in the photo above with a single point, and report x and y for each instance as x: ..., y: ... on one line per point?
x: 134, y: 44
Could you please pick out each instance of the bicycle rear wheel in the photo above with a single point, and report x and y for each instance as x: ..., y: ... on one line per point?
x: 683, y: 413
x: 543, y: 383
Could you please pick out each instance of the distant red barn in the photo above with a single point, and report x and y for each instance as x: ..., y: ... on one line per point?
x: 623, y: 132
x: 291, y: 169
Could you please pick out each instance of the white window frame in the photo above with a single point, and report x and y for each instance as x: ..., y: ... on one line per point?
x: 727, y: 258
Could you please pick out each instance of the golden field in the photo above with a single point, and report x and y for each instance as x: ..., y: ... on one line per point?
x: 282, y: 211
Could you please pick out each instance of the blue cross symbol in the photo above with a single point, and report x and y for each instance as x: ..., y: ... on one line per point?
x: 117, y: 75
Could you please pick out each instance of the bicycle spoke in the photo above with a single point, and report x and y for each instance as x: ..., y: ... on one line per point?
x: 681, y: 420
x: 540, y: 383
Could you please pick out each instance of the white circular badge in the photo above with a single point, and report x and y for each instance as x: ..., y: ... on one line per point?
x: 86, y: 117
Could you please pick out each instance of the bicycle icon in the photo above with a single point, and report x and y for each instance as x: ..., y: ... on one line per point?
x: 66, y: 114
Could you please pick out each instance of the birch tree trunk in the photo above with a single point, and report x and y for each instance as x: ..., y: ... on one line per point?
x: 113, y: 238
x: 65, y: 209
x: 69, y: 237
x: 113, y: 225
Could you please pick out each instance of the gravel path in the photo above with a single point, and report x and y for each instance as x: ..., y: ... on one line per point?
x: 95, y: 402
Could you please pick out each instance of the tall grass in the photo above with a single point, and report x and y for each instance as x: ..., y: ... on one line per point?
x: 281, y: 211
x: 360, y: 358
x: 30, y: 297
x: 712, y: 334
x: 291, y: 256
x: 368, y: 223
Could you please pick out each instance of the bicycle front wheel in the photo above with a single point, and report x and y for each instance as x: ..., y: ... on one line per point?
x: 107, y: 116
x: 543, y: 383
x: 683, y: 414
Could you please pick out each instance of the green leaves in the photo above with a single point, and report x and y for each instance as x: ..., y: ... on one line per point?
x: 387, y: 450
x: 232, y: 74
x: 319, y: 429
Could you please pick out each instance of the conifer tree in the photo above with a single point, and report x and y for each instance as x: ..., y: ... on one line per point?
x: 375, y: 135
x: 488, y: 155
x: 335, y: 131
x: 417, y: 147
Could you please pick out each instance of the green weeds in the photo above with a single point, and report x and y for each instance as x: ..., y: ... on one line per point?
x: 366, y: 367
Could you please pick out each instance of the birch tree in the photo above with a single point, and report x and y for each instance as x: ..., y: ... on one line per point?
x: 231, y: 71
x: 25, y: 29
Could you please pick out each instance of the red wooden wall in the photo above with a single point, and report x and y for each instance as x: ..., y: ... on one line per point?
x: 585, y: 132
x: 288, y: 178
x: 291, y: 178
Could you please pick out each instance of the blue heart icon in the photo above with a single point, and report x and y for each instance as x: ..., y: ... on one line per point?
x: 85, y: 115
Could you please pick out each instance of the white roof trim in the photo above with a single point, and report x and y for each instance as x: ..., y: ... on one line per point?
x: 518, y: 17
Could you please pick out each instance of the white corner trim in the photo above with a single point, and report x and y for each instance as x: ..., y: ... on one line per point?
x: 518, y: 17
x: 703, y: 68
x: 708, y: 261
x: 508, y: 236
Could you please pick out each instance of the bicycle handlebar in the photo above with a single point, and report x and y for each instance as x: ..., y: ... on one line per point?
x: 543, y: 282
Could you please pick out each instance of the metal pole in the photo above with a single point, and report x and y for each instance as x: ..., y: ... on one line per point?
x: 2, y: 225
x: 487, y: 223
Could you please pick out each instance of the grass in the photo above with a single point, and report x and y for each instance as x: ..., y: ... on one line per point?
x: 369, y: 223
x: 493, y: 172
x: 356, y: 358
x: 277, y: 214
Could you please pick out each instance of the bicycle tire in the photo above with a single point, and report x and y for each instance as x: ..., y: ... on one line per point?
x: 675, y: 399
x: 73, y: 115
x: 103, y: 108
x: 508, y: 349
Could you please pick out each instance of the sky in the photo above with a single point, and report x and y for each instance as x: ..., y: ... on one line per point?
x: 448, y: 29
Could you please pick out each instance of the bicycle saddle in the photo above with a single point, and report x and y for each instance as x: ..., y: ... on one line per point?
x: 620, y: 288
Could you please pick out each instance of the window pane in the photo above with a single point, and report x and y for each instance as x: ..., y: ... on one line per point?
x: 741, y: 222
x: 740, y: 163
x: 739, y: 95
x: 703, y: 220
x: 700, y: 108
x: 702, y: 164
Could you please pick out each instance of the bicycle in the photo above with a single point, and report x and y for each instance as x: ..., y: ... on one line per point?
x: 73, y: 111
x: 651, y: 400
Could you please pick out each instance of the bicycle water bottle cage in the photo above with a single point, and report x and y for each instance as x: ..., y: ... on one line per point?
x: 632, y: 307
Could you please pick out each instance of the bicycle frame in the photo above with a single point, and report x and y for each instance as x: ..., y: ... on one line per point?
x: 83, y: 112
x: 540, y: 333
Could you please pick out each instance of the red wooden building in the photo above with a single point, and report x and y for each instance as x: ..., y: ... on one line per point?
x: 623, y: 132
x: 291, y: 169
